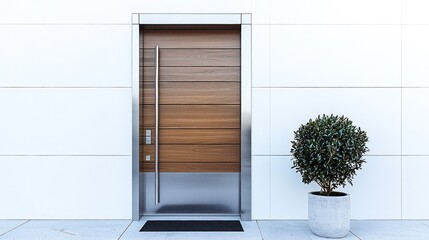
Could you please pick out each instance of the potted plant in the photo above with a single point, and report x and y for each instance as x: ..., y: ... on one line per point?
x: 328, y: 151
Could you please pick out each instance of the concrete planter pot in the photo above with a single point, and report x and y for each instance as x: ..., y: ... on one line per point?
x: 329, y: 216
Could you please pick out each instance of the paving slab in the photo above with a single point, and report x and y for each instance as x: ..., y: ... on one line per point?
x: 279, y: 230
x: 251, y: 232
x: 391, y: 230
x: 69, y: 229
x: 8, y: 225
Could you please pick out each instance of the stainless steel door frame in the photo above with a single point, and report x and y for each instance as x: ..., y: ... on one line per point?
x: 246, y: 69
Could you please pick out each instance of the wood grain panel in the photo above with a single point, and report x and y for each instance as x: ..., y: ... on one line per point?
x: 192, y: 93
x: 190, y: 38
x: 194, y: 153
x: 192, y: 57
x: 199, y: 136
x: 206, y: 74
x: 199, y: 112
x: 191, y: 167
x: 148, y: 96
x: 195, y: 136
x: 147, y: 150
x: 193, y: 116
x: 200, y: 116
x: 147, y: 116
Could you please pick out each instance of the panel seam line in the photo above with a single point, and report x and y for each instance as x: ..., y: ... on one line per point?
x: 14, y: 228
x: 120, y: 236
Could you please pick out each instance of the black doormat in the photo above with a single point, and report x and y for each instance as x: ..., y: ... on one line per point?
x: 192, y: 226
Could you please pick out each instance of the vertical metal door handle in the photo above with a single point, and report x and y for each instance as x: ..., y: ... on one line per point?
x: 156, y: 123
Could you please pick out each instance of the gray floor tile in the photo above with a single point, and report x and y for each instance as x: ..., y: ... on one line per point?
x: 283, y: 230
x: 69, y: 229
x: 251, y: 232
x: 280, y: 225
x: 271, y: 230
x: 391, y: 230
x: 133, y: 233
x: 7, y: 225
x: 350, y: 236
x: 278, y: 230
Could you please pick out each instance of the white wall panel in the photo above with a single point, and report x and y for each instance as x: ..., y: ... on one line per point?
x: 191, y: 6
x: 377, y: 111
x: 52, y: 121
x: 288, y: 194
x: 415, y: 52
x: 59, y: 187
x: 370, y: 199
x: 336, y: 12
x: 77, y: 11
x: 260, y: 121
x: 260, y: 187
x: 65, y: 55
x: 415, y: 115
x: 414, y: 187
x: 415, y: 12
x: 260, y: 56
x: 375, y: 195
x: 322, y: 56
x: 261, y: 11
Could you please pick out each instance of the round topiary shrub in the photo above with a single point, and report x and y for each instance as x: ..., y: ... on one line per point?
x: 328, y: 151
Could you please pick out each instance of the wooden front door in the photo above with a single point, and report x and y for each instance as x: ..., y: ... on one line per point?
x: 199, y: 101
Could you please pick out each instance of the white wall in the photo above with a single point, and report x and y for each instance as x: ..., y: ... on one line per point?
x: 65, y: 98
x: 368, y: 60
x: 65, y: 103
